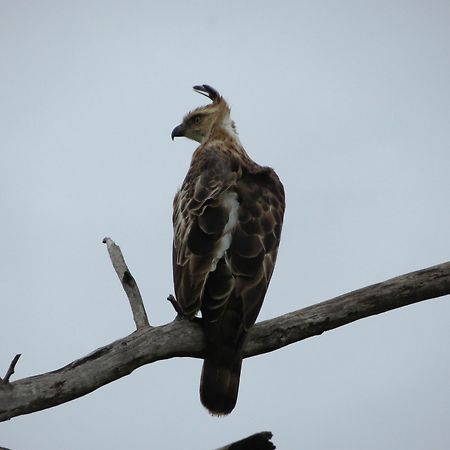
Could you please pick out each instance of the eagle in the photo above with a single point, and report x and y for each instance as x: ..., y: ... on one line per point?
x: 227, y: 219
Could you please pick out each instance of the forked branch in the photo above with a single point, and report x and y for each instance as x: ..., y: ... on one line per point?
x: 183, y: 338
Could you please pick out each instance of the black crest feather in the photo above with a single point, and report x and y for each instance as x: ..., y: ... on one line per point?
x: 207, y: 91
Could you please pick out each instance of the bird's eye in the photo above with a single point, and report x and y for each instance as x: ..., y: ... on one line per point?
x: 196, y: 119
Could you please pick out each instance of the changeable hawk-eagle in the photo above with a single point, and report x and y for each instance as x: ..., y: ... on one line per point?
x: 227, y: 220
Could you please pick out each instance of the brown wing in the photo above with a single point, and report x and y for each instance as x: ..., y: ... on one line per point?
x: 249, y: 261
x: 260, y: 221
x: 199, y: 219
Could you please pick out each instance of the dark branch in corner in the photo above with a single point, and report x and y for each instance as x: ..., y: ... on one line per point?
x: 260, y: 441
x: 183, y: 338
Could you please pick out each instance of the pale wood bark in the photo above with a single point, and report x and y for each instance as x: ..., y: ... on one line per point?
x: 183, y: 338
x: 128, y: 283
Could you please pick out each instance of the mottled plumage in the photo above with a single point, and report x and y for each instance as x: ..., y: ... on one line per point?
x: 227, y: 223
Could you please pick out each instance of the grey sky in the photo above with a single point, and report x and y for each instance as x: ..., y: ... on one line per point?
x: 348, y: 101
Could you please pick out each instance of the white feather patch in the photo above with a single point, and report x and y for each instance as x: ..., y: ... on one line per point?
x: 230, y: 202
x: 228, y: 126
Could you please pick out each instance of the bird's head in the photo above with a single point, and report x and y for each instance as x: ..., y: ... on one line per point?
x: 199, y: 124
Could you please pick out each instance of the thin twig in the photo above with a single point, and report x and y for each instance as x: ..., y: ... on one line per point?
x: 10, y: 370
x: 129, y: 284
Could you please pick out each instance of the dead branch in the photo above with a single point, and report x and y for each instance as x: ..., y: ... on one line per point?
x: 260, y: 441
x: 183, y: 338
x: 10, y: 370
x: 128, y: 282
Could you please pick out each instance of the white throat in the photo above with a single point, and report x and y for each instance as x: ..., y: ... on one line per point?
x: 228, y: 126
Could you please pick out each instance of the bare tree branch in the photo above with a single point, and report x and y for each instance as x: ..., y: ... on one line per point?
x: 260, y: 441
x: 128, y: 282
x: 403, y: 290
x: 183, y: 338
x: 10, y: 370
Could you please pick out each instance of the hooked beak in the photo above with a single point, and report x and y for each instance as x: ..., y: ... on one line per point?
x: 178, y: 131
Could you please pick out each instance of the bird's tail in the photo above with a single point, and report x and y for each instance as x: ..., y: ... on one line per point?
x: 219, y: 384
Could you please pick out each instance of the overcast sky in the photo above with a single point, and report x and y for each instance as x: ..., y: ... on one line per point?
x: 348, y: 101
